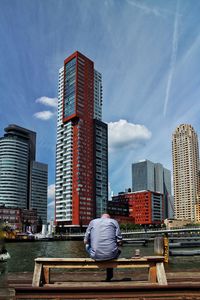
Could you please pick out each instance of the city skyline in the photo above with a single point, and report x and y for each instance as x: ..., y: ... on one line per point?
x: 146, y: 52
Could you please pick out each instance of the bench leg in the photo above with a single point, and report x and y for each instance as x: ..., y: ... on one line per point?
x: 46, y: 275
x: 37, y: 275
x: 152, y: 274
x: 161, y: 276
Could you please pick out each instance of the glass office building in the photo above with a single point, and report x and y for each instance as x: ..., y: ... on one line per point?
x: 39, y: 175
x: 150, y: 176
x: 23, y: 182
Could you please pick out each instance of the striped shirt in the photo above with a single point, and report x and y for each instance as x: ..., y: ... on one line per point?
x: 102, y: 235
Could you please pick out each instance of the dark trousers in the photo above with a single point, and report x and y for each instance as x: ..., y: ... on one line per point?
x: 109, y: 271
x: 109, y: 274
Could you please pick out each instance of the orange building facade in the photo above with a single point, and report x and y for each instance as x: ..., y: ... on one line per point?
x: 145, y: 207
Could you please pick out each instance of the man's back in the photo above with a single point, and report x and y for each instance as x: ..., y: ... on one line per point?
x: 103, y: 235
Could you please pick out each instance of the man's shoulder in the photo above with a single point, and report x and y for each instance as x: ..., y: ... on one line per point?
x: 114, y: 221
x: 106, y: 220
x: 94, y: 221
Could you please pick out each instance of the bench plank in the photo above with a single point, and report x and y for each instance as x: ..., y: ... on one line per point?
x: 145, y: 258
x: 96, y: 266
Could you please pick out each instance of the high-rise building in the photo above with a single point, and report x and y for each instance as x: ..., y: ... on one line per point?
x: 81, y: 150
x: 19, y: 186
x: 143, y: 176
x: 39, y: 185
x: 149, y: 176
x: 185, y: 152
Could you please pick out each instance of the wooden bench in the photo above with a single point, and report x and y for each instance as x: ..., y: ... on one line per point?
x: 154, y: 264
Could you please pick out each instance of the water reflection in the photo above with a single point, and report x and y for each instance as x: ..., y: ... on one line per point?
x: 23, y: 254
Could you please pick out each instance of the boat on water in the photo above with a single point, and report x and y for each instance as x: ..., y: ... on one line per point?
x: 135, y: 242
x: 184, y: 252
x: 4, y: 257
x: 184, y: 244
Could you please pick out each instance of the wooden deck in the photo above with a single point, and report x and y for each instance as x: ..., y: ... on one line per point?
x: 90, y: 285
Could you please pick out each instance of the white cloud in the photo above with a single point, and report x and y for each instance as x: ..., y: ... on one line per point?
x: 123, y: 135
x: 44, y: 115
x: 53, y: 102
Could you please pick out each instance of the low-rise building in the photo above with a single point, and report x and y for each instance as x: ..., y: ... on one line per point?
x: 18, y: 218
x: 174, y: 223
x: 119, y: 210
x: 145, y: 207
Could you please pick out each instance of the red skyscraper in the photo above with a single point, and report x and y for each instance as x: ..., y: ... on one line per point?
x: 81, y: 157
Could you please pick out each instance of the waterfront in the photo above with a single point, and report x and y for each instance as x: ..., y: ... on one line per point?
x: 23, y: 255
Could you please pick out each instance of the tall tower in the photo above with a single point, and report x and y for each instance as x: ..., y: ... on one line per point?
x: 150, y: 176
x: 185, y: 154
x: 81, y: 150
x: 23, y: 181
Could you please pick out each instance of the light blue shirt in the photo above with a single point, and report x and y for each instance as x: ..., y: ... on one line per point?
x: 102, y: 235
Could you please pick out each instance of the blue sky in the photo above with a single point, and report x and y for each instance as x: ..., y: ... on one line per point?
x: 147, y: 52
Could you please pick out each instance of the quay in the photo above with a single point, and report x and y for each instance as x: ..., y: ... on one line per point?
x: 143, y: 236
x: 150, y: 234
x: 90, y: 285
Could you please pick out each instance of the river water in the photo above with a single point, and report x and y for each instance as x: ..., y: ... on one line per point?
x: 24, y: 253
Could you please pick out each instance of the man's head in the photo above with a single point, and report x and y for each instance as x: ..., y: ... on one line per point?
x: 105, y: 216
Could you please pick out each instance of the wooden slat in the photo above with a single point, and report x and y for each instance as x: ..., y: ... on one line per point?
x: 99, y: 266
x: 110, y: 291
x: 144, y: 258
x: 161, y: 276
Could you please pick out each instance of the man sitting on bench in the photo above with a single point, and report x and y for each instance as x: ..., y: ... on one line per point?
x: 102, y: 239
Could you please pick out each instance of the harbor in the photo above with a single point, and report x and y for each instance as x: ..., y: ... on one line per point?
x: 17, y: 272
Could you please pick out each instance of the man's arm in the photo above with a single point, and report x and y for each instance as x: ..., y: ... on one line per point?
x: 87, y: 234
x: 118, y: 234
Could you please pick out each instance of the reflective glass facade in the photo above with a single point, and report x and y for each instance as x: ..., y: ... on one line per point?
x: 14, y: 160
x: 150, y: 176
x: 39, y: 175
x: 70, y: 88
x: 143, y: 176
x: 101, y: 166
x: 23, y: 181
